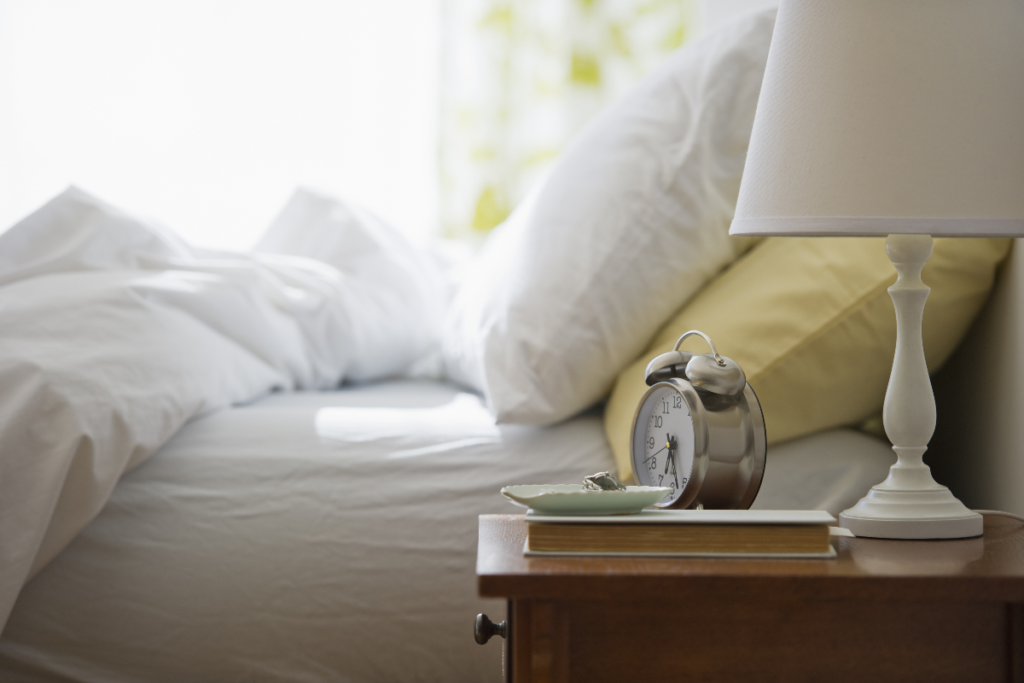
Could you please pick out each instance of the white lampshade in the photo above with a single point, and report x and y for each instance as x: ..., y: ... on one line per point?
x: 889, y: 116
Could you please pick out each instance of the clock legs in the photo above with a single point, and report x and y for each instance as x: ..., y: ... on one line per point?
x: 909, y: 504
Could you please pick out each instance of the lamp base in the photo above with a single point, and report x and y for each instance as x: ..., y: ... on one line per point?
x: 909, y: 503
x: 891, y: 513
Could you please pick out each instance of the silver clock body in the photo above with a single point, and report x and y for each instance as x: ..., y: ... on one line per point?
x: 708, y: 447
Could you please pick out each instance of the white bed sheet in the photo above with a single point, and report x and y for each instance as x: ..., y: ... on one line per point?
x: 325, y: 537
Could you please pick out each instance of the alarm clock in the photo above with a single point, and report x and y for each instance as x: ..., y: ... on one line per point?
x: 699, y: 430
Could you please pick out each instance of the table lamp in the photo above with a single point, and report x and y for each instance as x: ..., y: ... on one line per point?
x: 898, y: 118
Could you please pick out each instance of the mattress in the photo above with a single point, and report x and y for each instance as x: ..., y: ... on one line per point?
x: 327, y: 537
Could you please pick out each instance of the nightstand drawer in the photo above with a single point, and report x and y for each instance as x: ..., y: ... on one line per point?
x: 771, y: 640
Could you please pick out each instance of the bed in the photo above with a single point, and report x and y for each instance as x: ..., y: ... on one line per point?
x: 187, y: 494
x: 326, y: 536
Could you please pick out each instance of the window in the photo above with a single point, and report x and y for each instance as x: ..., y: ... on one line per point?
x: 206, y: 114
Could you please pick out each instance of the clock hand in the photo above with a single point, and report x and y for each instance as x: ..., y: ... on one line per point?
x: 654, y: 453
x: 671, y: 448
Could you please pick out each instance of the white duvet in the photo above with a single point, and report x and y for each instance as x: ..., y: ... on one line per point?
x: 114, y: 333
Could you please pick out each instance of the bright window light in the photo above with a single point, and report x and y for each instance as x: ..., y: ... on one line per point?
x: 206, y: 114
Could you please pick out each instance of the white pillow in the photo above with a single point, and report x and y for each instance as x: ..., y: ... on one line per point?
x: 398, y: 290
x: 632, y: 221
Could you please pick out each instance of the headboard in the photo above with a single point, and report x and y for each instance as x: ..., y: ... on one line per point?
x: 978, y: 448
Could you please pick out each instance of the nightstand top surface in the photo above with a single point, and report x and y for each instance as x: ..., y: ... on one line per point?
x: 990, y: 568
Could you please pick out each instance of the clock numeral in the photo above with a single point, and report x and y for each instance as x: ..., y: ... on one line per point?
x: 664, y: 408
x: 654, y: 461
x: 660, y: 477
x: 685, y: 479
x: 650, y: 442
x: 657, y: 421
x: 677, y: 401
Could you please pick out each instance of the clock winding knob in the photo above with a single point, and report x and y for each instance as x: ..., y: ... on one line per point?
x: 484, y: 628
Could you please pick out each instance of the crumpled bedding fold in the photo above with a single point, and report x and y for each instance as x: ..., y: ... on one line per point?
x: 114, y: 333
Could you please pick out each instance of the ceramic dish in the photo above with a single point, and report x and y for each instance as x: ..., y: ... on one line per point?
x: 572, y: 499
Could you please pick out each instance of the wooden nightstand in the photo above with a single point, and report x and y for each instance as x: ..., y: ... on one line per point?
x: 882, y: 611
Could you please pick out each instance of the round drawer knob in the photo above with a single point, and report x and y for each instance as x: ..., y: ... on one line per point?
x: 484, y: 628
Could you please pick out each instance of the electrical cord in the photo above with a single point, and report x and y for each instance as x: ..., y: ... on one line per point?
x: 1000, y: 513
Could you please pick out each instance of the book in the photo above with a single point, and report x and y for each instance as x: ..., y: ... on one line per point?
x: 685, y: 533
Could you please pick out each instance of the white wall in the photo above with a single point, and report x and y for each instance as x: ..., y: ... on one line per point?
x: 978, y: 449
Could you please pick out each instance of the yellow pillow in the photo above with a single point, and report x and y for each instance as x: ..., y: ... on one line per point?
x: 811, y: 323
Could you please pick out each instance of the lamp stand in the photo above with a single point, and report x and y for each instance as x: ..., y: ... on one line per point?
x: 909, y: 504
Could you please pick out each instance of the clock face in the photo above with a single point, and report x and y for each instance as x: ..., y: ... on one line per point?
x: 663, y: 442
